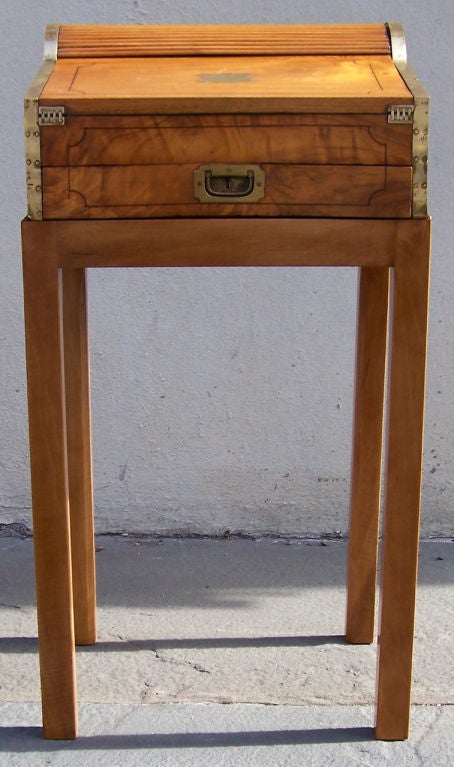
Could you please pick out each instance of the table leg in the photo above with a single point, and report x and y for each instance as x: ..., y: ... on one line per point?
x: 78, y: 428
x: 367, y: 452
x: 42, y: 306
x: 404, y: 458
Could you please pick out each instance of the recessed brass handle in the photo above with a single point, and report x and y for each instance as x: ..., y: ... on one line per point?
x: 229, y: 186
x: 232, y: 183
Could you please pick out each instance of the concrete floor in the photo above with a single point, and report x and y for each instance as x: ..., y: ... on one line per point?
x: 219, y: 652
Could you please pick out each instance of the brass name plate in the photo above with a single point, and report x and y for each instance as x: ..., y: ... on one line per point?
x: 225, y: 77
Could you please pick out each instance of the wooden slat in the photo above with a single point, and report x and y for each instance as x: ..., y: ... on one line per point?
x: 187, y: 40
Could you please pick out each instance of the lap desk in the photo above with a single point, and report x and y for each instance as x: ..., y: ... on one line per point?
x: 227, y: 146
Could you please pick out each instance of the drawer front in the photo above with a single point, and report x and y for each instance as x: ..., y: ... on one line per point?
x: 144, y: 191
x: 314, y: 165
x: 314, y: 139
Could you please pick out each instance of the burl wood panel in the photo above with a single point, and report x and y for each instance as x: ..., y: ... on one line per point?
x: 167, y: 190
x: 327, y: 140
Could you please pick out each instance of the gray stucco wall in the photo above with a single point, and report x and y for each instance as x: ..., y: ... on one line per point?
x: 222, y: 399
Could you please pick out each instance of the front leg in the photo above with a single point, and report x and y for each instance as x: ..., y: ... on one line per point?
x: 45, y: 379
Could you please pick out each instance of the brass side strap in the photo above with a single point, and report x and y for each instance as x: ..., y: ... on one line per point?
x: 420, y: 142
x: 32, y: 124
x: 51, y: 42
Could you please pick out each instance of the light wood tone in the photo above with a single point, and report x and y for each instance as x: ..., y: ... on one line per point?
x: 330, y: 84
x: 42, y: 304
x: 229, y: 242
x: 403, y: 484
x: 312, y: 139
x: 367, y: 451
x: 177, y: 40
x: 77, y: 388
x: 144, y: 191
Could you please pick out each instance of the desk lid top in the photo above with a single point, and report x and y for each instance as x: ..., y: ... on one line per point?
x: 197, y: 69
x: 358, y: 84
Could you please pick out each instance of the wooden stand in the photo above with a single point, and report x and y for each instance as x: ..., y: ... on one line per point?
x: 55, y: 256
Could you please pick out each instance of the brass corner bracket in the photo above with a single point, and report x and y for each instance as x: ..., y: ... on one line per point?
x: 32, y: 126
x: 420, y: 141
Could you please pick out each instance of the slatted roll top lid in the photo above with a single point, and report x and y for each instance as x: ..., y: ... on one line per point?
x: 72, y: 41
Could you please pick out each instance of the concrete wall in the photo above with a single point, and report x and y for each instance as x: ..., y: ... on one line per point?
x: 222, y: 399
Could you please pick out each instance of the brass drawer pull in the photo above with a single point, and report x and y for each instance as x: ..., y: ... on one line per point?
x: 232, y: 183
x: 229, y: 186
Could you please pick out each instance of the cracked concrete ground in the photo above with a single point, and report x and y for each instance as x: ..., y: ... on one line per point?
x: 204, y: 623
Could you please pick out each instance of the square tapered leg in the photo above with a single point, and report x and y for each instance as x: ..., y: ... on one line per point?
x: 47, y: 428
x: 78, y: 429
x: 403, y: 482
x: 372, y: 324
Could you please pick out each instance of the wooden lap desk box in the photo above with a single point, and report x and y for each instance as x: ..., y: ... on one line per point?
x: 227, y: 146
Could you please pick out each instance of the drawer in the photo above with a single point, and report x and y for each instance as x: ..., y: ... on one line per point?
x: 327, y: 165
x: 315, y: 139
x: 144, y: 191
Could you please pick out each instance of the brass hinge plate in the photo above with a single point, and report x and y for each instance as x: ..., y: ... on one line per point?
x: 400, y: 113
x: 51, y: 115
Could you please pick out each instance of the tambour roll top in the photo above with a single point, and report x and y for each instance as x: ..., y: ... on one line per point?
x: 219, y: 40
